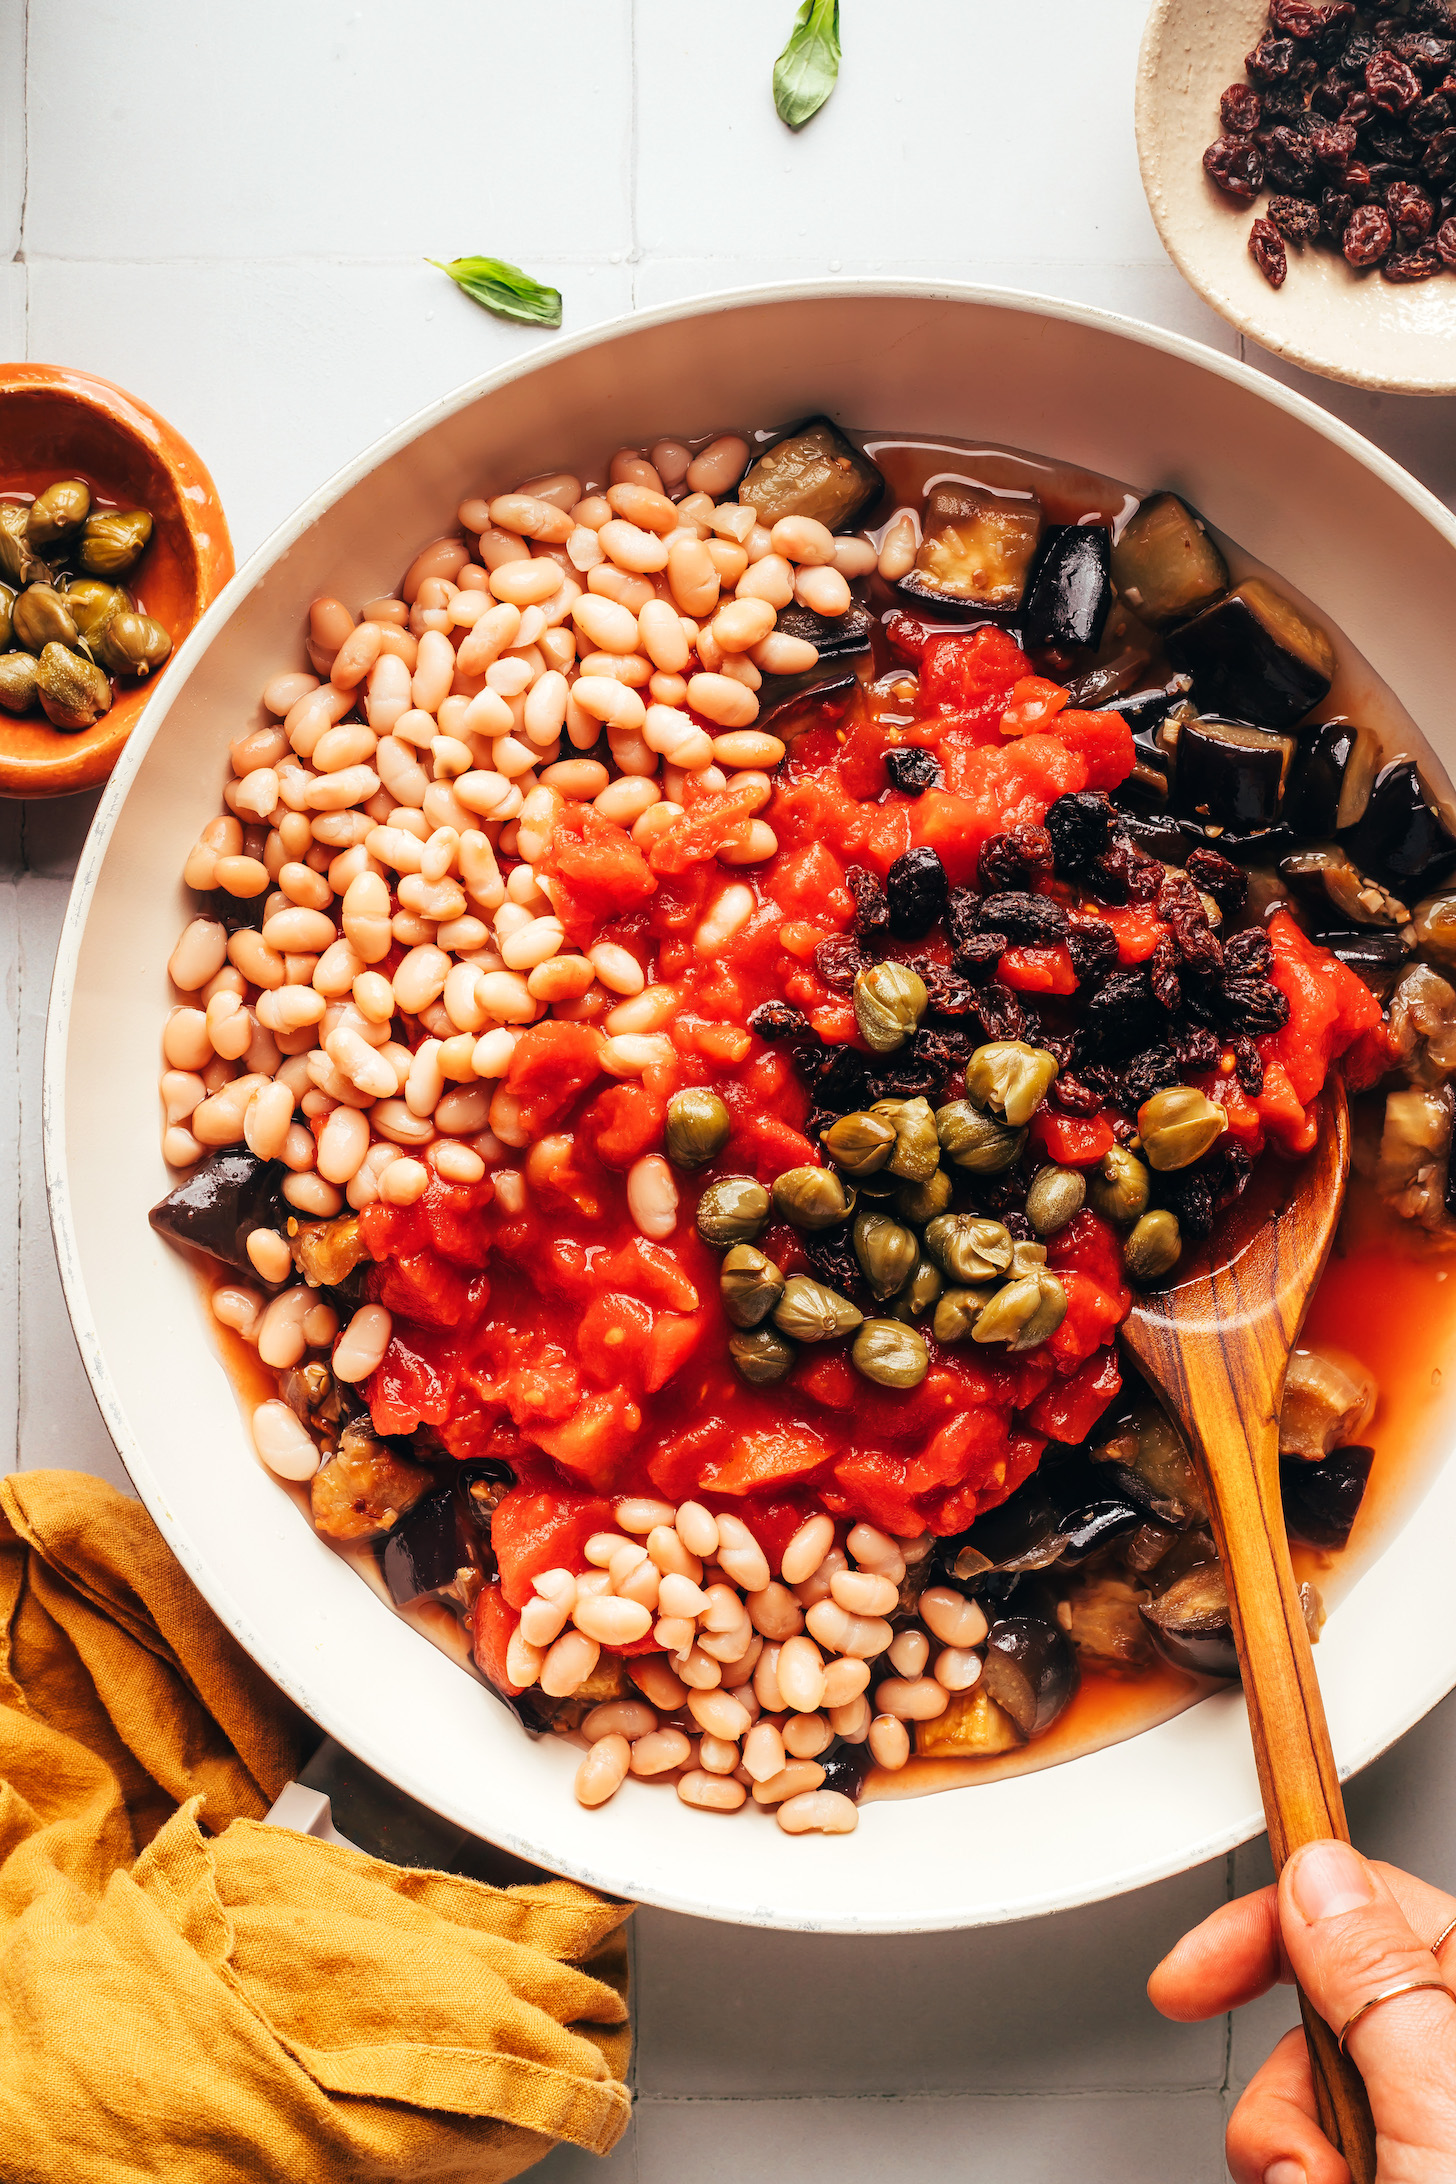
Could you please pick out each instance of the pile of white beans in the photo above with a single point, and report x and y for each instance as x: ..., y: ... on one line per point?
x: 758, y: 1675
x: 405, y: 792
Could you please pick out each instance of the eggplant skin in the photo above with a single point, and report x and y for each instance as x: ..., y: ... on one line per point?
x: 1401, y: 834
x: 1229, y: 774
x: 1322, y: 1501
x: 1254, y: 656
x: 219, y: 1204
x: 812, y: 471
x: 1071, y: 588
x: 1329, y: 788
x: 1165, y: 565
x: 977, y: 551
x: 1031, y: 1671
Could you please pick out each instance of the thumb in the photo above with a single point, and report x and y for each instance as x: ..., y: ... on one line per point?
x: 1348, y: 1940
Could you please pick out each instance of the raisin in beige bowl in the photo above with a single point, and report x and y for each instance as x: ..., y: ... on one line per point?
x: 1339, y: 522
x: 1328, y: 317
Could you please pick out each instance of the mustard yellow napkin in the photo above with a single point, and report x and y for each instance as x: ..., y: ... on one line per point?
x: 245, y: 2003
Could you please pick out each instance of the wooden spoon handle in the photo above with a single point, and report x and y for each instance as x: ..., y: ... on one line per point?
x: 1239, y: 1453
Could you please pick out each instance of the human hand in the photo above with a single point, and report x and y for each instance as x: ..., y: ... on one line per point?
x: 1347, y: 1929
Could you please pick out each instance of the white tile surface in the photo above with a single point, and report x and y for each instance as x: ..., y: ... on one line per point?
x: 253, y: 264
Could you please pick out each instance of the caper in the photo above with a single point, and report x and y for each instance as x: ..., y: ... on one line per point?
x: 1178, y: 1126
x: 55, y: 513
x: 1026, y: 1258
x: 886, y: 1252
x: 697, y: 1127
x: 1011, y: 1078
x: 876, y: 1189
x: 19, y: 672
x: 976, y: 1141
x: 810, y: 1312
x: 750, y: 1285
x: 1024, y: 1313
x: 889, y: 1001
x: 1120, y: 1188
x: 812, y: 1198
x: 917, y: 1149
x: 73, y: 691
x: 19, y: 562
x: 760, y: 1356
x: 114, y: 541
x: 921, y: 1202
x: 40, y: 617
x: 732, y: 1211
x: 1055, y: 1195
x: 919, y: 1293
x: 7, y: 601
x: 860, y: 1144
x: 91, y: 604
x: 1154, y: 1246
x: 958, y: 1311
x: 132, y: 644
x: 893, y: 1355
x: 968, y: 1247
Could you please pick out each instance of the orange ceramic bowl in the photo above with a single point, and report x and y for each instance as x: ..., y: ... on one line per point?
x: 58, y: 423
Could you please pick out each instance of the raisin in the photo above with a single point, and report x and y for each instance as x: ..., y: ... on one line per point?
x: 912, y: 770
x: 1387, y: 144
x: 1412, y: 265
x: 1368, y: 236
x: 1197, y: 944
x: 1240, y: 109
x: 839, y: 962
x: 1335, y: 210
x: 837, y: 1076
x: 962, y: 915
x: 871, y: 911
x: 1253, y: 1005
x: 1430, y: 117
x: 918, y: 893
x: 1073, y: 1095
x: 1266, y: 248
x: 1297, y: 18
x: 1093, y: 947
x: 1438, y: 162
x: 1080, y: 826
x: 921, y: 1070
x: 1001, y: 1014
x: 1285, y: 102
x: 1288, y: 160
x: 1355, y: 55
x: 832, y: 1260
x: 1329, y: 95
x: 1333, y: 144
x: 1125, y: 873
x: 1358, y: 183
x: 1421, y: 51
x: 1189, y: 1195
x: 1195, y: 1047
x: 776, y: 1020
x: 1271, y: 60
x: 946, y: 994
x: 1217, y: 875
x: 1248, y: 1065
x: 1392, y: 83
x: 1122, y: 1016
x: 1249, y: 954
x: 1296, y: 219
x: 1411, y: 212
x: 1446, y: 243
x: 978, y: 959
x: 1163, y: 975
x: 1015, y: 861
x: 1151, y: 1071
x: 1028, y: 921
x: 1236, y: 164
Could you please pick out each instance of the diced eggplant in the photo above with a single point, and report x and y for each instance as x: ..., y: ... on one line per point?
x: 327, y: 1252
x: 835, y: 636
x: 1144, y: 710
x: 1024, y: 1533
x: 218, y: 1206
x: 1151, y: 1463
x: 1322, y: 1501
x: 1101, y: 686
x: 1255, y: 656
x: 1434, y: 921
x: 1402, y: 834
x: 1071, y: 587
x: 1107, y: 1628
x: 238, y: 913
x: 365, y: 1487
x: 1230, y: 775
x: 1329, y: 1399
x: 977, y: 549
x: 1259, y: 846
x: 1159, y: 834
x: 1190, y: 1623
x: 781, y: 697
x: 445, y: 1538
x: 1086, y: 1529
x: 1375, y: 954
x: 1148, y: 787
x: 1165, y: 565
x: 1031, y: 1671
x: 317, y: 1398
x: 1334, y: 891
x: 845, y: 1768
x: 813, y: 471
x: 973, y: 1726
x: 1330, y: 783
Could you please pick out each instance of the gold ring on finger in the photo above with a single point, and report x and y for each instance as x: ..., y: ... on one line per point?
x: 1388, y: 1994
x: 1443, y: 1937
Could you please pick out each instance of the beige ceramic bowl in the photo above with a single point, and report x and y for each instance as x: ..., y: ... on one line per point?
x: 1296, y: 488
x: 1327, y: 317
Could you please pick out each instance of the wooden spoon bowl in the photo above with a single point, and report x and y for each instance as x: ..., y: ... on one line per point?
x: 1215, y: 1345
x: 59, y: 423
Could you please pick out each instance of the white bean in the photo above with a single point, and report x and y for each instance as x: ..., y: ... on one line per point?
x: 284, y: 1442
x: 819, y: 1812
x: 953, y: 1619
x: 652, y: 1196
x: 363, y: 1343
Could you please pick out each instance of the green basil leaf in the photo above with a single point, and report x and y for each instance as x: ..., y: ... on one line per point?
x: 504, y: 289
x: 808, y: 68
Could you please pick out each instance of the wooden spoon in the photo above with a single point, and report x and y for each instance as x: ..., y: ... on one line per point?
x: 1214, y: 1346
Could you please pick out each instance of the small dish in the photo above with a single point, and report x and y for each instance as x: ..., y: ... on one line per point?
x: 1345, y: 325
x: 56, y: 423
